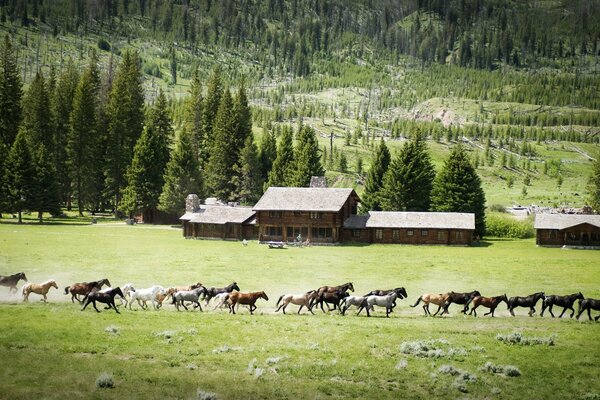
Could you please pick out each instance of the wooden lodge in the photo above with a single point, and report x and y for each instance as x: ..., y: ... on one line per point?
x: 443, y: 228
x: 567, y: 230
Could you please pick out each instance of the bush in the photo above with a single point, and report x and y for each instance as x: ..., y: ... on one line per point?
x: 505, y: 226
x: 518, y: 338
x: 103, y: 44
x: 152, y: 69
x: 105, y: 381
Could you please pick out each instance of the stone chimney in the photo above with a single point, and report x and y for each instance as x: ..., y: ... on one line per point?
x: 192, y: 203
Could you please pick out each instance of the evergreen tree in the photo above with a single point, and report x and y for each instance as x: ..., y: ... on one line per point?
x: 282, y: 169
x: 193, y: 113
x: 307, y: 158
x: 248, y: 180
x: 45, y: 184
x: 182, y: 176
x: 10, y: 94
x: 36, y: 114
x: 457, y: 188
x: 126, y: 121
x: 3, y: 176
x: 267, y: 153
x: 593, y: 186
x: 374, y: 181
x: 242, y: 125
x: 409, y: 178
x: 210, y: 108
x: 20, y: 174
x: 150, y: 157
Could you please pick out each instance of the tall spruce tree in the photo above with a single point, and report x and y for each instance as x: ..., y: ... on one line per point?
x: 248, y: 180
x: 150, y: 157
x: 371, y: 199
x: 242, y: 123
x: 457, y: 188
x: 182, y: 176
x: 20, y: 175
x: 193, y: 113
x: 10, y: 93
x: 280, y: 174
x: 408, y: 181
x: 126, y: 122
x: 36, y: 114
x: 267, y: 153
x: 593, y: 186
x: 45, y: 196
x: 3, y: 176
x: 210, y: 109
x: 307, y: 158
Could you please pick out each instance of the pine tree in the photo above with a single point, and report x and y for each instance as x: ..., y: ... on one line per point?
x: 45, y: 192
x: 248, y: 180
x: 10, y: 94
x: 3, y: 176
x: 150, y: 157
x: 242, y: 124
x: 307, y: 158
x: 20, y: 174
x: 193, y: 113
x: 409, y: 178
x: 593, y: 186
x: 457, y: 188
x: 182, y: 176
x: 284, y: 161
x: 209, y: 113
x: 126, y: 122
x: 267, y: 153
x: 374, y: 181
x: 36, y: 114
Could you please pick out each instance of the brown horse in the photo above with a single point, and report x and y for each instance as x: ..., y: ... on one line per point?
x: 437, y: 299
x: 246, y: 299
x: 39, y: 288
x: 489, y: 302
x: 12, y: 280
x: 332, y: 289
x: 84, y: 289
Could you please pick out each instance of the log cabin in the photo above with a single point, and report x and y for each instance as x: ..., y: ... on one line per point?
x: 567, y: 230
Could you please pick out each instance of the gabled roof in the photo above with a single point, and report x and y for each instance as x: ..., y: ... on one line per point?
x: 564, y: 221
x: 434, y: 220
x: 303, y: 199
x: 356, y: 222
x: 220, y: 215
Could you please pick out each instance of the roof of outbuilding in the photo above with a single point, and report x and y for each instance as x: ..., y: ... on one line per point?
x: 303, y: 199
x: 564, y: 221
x: 435, y: 220
x: 208, y: 214
x: 356, y: 222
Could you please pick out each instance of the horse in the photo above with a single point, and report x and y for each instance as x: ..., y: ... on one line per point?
x: 386, y: 301
x: 527, y: 301
x: 460, y: 298
x: 437, y: 299
x: 12, y: 280
x: 399, y: 290
x: 489, y: 302
x: 566, y: 302
x: 127, y: 289
x: 330, y: 289
x: 103, y: 297
x: 221, y: 300
x: 588, y: 305
x: 246, y: 299
x: 213, y: 291
x: 84, y: 288
x: 144, y: 295
x: 38, y: 288
x: 330, y: 298
x: 188, y: 295
x: 161, y: 296
x: 348, y: 301
x: 302, y: 300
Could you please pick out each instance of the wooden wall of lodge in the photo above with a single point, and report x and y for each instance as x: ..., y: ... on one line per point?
x: 402, y: 235
x: 220, y: 231
x: 580, y: 235
x: 299, y: 219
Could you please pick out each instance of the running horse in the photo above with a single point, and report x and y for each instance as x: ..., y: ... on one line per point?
x: 302, y: 300
x: 526, y: 301
x: 248, y: 299
x: 84, y: 289
x: 460, y: 298
x: 107, y: 298
x: 437, y: 299
x: 566, y: 302
x: 12, y: 280
x: 332, y: 289
x: 400, y: 291
x: 213, y: 291
x: 588, y: 305
x: 38, y: 288
x: 489, y: 302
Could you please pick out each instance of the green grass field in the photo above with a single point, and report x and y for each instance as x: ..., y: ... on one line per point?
x: 55, y: 351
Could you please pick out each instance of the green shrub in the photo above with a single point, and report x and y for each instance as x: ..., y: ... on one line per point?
x: 103, y: 44
x: 505, y: 226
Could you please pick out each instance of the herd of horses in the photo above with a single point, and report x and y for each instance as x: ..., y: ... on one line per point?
x: 333, y: 297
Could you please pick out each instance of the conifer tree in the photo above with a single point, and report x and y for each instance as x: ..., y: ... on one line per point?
x: 374, y: 181
x: 210, y: 108
x: 20, y: 174
x: 10, y: 93
x: 409, y: 178
x: 307, y: 158
x: 267, y: 153
x: 593, y: 186
x: 182, y: 176
x: 248, y: 180
x: 242, y: 125
x: 457, y: 188
x: 45, y: 197
x: 283, y: 165
x: 36, y: 114
x: 193, y: 113
x: 3, y: 176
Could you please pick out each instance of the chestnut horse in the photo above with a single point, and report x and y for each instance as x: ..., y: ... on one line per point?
x: 246, y: 299
x: 12, y: 280
x: 489, y: 302
x: 84, y: 288
x: 460, y: 298
x: 38, y: 288
x: 437, y: 299
x: 107, y: 298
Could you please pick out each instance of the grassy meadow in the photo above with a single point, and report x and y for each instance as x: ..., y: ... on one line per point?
x: 56, y: 351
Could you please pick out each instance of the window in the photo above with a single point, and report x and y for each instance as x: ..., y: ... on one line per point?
x: 294, y: 231
x: 323, y: 233
x: 356, y: 232
x: 410, y: 232
x: 315, y: 215
x: 297, y: 213
x: 552, y: 234
x: 274, y: 231
x: 275, y: 214
x: 424, y: 232
x: 459, y: 235
x: 378, y: 233
x: 441, y: 235
x: 395, y: 234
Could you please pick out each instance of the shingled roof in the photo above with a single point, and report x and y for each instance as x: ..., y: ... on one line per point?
x: 303, y: 199
x: 418, y: 220
x: 564, y: 221
x: 221, y: 215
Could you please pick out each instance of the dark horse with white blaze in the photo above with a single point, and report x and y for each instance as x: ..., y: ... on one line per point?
x: 526, y: 301
x: 588, y: 305
x: 11, y: 281
x: 103, y: 297
x: 460, y: 298
x: 566, y: 302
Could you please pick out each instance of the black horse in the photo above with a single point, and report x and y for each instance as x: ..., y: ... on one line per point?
x: 460, y: 298
x: 562, y: 301
x: 331, y: 298
x: 213, y: 291
x: 588, y: 305
x: 106, y: 298
x: 528, y: 301
x: 12, y: 280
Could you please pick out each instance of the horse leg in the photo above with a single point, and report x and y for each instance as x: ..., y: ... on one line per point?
x: 46, y: 299
x: 438, y: 310
x: 532, y: 311
x: 199, y: 306
x: 563, y: 311
x: 549, y: 310
x: 573, y: 311
x: 511, y: 312
x: 473, y: 311
x: 597, y: 318
x: 94, y: 304
x: 114, y: 306
x: 183, y: 305
x: 86, y: 304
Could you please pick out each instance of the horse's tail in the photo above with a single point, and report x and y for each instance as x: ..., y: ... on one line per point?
x: 279, y: 301
x: 417, y: 302
x: 67, y: 289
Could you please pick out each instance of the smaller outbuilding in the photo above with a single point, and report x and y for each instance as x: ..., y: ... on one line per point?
x: 568, y: 230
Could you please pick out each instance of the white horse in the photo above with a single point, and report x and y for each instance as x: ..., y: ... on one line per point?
x: 386, y: 301
x: 302, y: 300
x: 144, y: 295
x: 221, y: 300
x: 127, y: 289
x: 346, y: 302
x: 188, y: 295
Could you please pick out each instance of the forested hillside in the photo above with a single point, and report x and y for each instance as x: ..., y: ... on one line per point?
x: 133, y: 103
